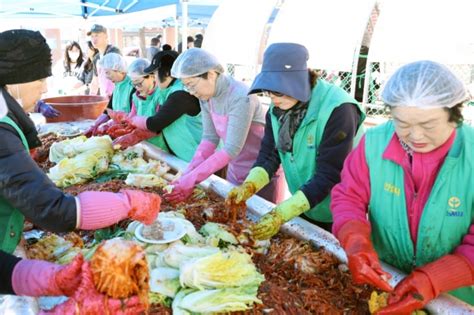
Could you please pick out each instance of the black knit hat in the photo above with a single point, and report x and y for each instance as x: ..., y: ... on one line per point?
x: 24, y: 57
x: 162, y: 61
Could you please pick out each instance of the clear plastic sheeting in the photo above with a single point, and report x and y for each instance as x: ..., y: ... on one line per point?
x: 331, y: 30
x: 409, y: 30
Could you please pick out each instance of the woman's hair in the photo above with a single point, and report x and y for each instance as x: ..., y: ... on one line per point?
x: 313, y: 77
x: 67, y: 60
x: 455, y: 114
x: 88, y: 64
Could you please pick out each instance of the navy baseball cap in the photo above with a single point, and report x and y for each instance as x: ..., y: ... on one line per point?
x: 97, y: 28
x: 285, y: 71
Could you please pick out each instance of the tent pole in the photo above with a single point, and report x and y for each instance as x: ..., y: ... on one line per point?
x: 184, y: 25
x: 176, y: 37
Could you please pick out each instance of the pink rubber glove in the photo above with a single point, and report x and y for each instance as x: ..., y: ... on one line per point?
x: 93, y: 129
x: 139, y: 122
x: 102, y: 128
x: 184, y: 186
x: 37, y: 277
x: 134, y: 137
x: 87, y: 300
x: 102, y: 209
x: 204, y: 150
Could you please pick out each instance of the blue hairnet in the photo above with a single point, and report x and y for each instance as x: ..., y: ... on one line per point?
x: 113, y: 61
x: 424, y: 84
x: 194, y: 62
x: 137, y: 68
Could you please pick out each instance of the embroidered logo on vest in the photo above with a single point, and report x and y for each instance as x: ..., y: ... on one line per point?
x: 391, y: 188
x: 310, y: 141
x: 453, y: 204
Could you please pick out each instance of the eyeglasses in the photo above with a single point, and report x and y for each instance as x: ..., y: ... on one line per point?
x: 140, y: 84
x: 270, y: 94
x: 192, y: 88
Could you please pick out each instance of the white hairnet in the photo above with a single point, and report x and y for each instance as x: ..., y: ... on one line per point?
x: 113, y: 61
x: 193, y: 62
x: 424, y: 84
x: 137, y: 68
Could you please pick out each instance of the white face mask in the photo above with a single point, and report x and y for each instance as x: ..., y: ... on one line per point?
x: 73, y: 55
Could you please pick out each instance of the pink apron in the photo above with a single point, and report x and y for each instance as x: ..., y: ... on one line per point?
x: 240, y: 166
x: 105, y: 85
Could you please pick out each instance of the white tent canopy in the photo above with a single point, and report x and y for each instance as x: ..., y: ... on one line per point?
x: 410, y: 30
x: 249, y: 17
x: 331, y: 30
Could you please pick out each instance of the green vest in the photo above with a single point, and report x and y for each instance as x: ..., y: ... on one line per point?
x: 147, y: 107
x: 121, y: 95
x: 446, y: 217
x: 300, y: 165
x: 11, y: 220
x: 184, y: 134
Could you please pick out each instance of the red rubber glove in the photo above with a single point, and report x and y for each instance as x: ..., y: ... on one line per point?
x: 36, y: 277
x: 34, y: 154
x: 133, y: 138
x: 116, y: 115
x: 426, y: 283
x: 364, y: 264
x: 87, y: 300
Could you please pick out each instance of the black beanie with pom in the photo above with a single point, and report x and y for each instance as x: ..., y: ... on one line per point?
x: 24, y: 57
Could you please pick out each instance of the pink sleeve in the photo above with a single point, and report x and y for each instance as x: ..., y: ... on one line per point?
x: 467, y: 246
x: 350, y: 198
x: 133, y: 110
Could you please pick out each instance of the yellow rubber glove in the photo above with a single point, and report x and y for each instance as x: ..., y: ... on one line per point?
x: 256, y: 180
x: 270, y: 223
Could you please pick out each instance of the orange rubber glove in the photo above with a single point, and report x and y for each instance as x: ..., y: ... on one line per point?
x: 426, y: 283
x: 144, y: 207
x: 364, y: 264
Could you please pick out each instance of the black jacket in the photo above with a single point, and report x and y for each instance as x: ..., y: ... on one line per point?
x: 24, y: 185
x: 7, y: 264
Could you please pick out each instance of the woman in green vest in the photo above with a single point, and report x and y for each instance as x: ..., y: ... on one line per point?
x: 406, y: 194
x: 26, y: 191
x: 178, y: 115
x: 145, y: 102
x: 310, y: 128
x: 115, y: 69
